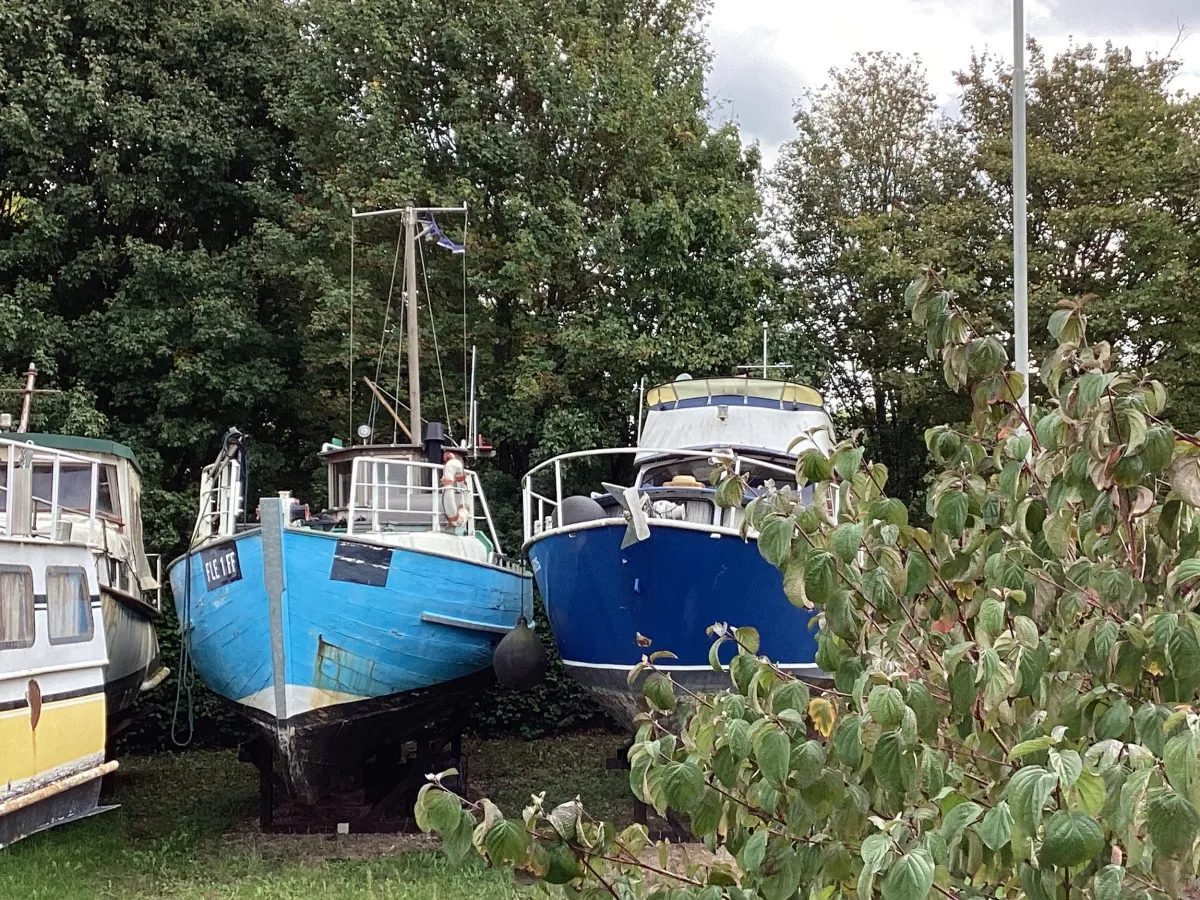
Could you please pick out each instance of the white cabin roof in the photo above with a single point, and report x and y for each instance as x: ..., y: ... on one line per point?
x: 744, y: 414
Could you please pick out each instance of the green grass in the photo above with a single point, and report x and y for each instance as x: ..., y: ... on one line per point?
x: 186, y: 830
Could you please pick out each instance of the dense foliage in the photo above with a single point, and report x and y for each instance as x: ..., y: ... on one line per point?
x: 176, y: 181
x: 1012, y: 708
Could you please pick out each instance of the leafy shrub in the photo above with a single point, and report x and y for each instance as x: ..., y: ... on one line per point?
x: 1012, y: 704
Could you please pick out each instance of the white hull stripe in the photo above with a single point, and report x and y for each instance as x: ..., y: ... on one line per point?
x: 618, y: 667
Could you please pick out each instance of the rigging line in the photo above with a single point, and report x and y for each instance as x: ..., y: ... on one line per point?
x: 351, y: 360
x: 383, y: 335
x: 466, y: 376
x: 433, y: 327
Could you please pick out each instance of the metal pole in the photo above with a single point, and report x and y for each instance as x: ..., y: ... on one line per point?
x: 1020, y: 237
x: 764, y: 350
x: 27, y: 398
x: 350, y: 436
x: 410, y: 293
x: 472, y: 425
x: 641, y: 404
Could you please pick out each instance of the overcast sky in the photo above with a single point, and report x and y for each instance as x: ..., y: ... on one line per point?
x: 768, y: 51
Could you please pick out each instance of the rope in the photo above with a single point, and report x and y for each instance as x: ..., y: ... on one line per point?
x: 466, y: 361
x: 387, y: 311
x: 433, y: 327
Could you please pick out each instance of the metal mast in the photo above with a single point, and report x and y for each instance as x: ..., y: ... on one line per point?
x: 1019, y: 218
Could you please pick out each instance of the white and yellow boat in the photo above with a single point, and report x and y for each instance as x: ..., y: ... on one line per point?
x: 52, y: 642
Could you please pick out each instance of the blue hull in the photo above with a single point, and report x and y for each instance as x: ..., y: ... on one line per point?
x: 372, y: 642
x: 668, y: 588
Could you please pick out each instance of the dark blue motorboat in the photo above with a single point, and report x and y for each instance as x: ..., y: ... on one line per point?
x: 659, y: 560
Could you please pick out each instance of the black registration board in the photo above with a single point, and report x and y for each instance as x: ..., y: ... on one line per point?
x: 221, y: 565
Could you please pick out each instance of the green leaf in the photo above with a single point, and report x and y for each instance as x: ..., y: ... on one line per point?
x: 506, y: 843
x: 909, y: 878
x: 957, y: 820
x: 682, y: 785
x: 730, y: 492
x: 436, y: 809
x: 747, y: 639
x: 1089, y: 391
x: 706, y: 817
x: 807, y: 762
x: 846, y: 540
x: 1158, y: 449
x: 996, y: 828
x: 456, y: 840
x: 894, y: 766
x: 1179, y: 758
x: 819, y: 576
x: 772, y: 754
x: 1171, y: 820
x: 847, y: 462
x: 991, y: 616
x: 1114, y: 722
x: 847, y: 743
x: 737, y: 736
x: 790, y: 695
x: 917, y: 573
x: 1057, y: 530
x: 1092, y: 793
x: 951, y: 516
x: 775, y: 539
x: 841, y: 617
x: 563, y: 866
x: 753, y: 853
x: 1067, y: 765
x: 1034, y: 745
x: 657, y: 688
x: 814, y: 467
x: 921, y: 703
x: 886, y: 706
x: 874, y: 851
x: 1107, y: 883
x: 1071, y: 838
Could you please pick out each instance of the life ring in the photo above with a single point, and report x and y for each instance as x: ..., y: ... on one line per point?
x: 455, y: 497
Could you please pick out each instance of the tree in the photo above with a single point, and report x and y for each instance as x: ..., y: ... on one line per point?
x: 872, y: 168
x: 612, y: 230
x: 138, y: 162
x: 1113, y: 157
x: 1013, y: 706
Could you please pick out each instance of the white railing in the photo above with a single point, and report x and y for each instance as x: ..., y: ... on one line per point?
x: 537, y: 508
x: 386, y: 493
x: 23, y: 510
x: 221, y: 498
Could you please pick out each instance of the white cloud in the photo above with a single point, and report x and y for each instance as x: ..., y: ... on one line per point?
x: 766, y: 52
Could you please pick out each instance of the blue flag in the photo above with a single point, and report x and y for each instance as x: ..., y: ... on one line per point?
x: 442, y: 241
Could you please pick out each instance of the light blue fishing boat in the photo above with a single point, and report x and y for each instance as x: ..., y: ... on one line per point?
x: 346, y: 636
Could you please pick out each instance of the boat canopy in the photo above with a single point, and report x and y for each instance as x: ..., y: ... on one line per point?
x: 761, y: 392
x: 751, y: 414
x: 74, y: 444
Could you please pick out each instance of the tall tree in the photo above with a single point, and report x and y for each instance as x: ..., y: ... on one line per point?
x: 1114, y: 160
x: 613, y: 230
x: 872, y: 167
x: 138, y: 161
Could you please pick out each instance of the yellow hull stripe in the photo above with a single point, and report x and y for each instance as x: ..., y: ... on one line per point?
x: 68, y: 730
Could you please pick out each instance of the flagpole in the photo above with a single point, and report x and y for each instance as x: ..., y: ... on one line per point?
x: 1019, y: 217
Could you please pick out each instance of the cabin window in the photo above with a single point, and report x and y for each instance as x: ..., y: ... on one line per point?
x: 68, y: 606
x: 16, y: 607
x: 75, y: 488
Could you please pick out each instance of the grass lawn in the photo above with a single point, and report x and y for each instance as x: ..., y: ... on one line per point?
x: 187, y: 830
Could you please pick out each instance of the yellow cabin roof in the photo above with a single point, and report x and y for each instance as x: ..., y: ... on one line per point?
x: 761, y: 389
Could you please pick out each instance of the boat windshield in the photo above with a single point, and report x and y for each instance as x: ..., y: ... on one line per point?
x: 74, y: 488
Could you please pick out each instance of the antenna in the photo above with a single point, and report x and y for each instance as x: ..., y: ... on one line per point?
x: 765, y: 366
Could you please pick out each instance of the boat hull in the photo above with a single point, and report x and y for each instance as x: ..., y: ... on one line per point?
x: 132, y: 653
x: 668, y: 588
x: 336, y: 647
